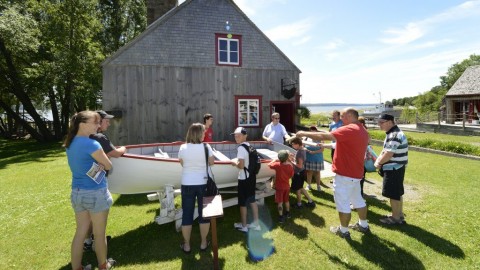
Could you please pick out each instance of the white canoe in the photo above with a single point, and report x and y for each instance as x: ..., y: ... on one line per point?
x: 147, y: 168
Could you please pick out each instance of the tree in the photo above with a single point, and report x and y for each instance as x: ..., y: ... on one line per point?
x: 18, y: 45
x: 456, y: 70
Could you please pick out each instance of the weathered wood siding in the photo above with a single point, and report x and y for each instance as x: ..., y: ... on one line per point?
x: 158, y: 104
x: 166, y: 78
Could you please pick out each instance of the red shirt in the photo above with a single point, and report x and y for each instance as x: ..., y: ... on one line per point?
x: 283, y: 173
x: 208, y: 135
x: 349, y: 156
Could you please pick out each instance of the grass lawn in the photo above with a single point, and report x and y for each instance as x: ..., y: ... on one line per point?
x: 443, y: 195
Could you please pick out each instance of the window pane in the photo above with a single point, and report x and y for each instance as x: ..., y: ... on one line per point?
x: 223, y: 56
x: 233, y: 46
x: 222, y: 44
x: 233, y: 57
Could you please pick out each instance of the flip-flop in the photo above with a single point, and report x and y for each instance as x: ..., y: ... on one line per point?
x: 205, y: 249
x: 182, y: 247
x: 391, y: 221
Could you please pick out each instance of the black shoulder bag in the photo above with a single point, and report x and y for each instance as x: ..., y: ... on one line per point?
x: 211, y: 189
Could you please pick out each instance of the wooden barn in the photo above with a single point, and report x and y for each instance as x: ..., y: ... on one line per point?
x: 203, y: 56
x: 464, y: 97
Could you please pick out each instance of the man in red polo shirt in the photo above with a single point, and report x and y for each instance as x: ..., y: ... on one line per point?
x: 348, y: 161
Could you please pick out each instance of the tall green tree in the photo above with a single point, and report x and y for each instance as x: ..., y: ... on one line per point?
x: 18, y: 48
x: 456, y: 70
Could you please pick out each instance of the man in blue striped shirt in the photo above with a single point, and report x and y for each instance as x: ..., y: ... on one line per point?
x: 392, y: 163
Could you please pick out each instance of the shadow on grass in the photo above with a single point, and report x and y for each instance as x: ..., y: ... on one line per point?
x: 335, y: 259
x: 15, y: 152
x: 385, y: 254
x: 432, y: 241
x: 133, y: 199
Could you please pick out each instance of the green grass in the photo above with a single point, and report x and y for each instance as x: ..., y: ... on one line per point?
x: 37, y: 223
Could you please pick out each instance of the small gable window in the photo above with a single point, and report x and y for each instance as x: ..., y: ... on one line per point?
x: 228, y: 49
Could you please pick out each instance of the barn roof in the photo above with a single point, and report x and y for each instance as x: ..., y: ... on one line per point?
x: 468, y: 84
x: 165, y: 18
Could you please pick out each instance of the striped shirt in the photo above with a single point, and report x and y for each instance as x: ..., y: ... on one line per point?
x: 397, y: 143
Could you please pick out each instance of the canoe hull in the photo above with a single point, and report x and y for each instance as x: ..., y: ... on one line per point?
x: 139, y: 171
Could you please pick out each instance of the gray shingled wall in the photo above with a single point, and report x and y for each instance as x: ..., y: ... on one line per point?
x: 188, y: 39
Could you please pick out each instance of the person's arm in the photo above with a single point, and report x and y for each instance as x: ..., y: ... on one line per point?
x: 319, y: 136
x: 239, y: 163
x: 102, y: 159
x: 211, y: 158
x: 264, y: 135
x: 384, y: 157
x: 117, y: 152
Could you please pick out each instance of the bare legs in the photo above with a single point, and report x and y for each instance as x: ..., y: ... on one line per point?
x: 99, y: 223
x: 243, y: 213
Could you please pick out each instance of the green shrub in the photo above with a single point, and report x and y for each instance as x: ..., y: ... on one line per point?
x: 454, y: 147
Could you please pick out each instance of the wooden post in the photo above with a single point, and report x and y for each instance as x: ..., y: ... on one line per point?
x: 213, y: 208
x: 213, y: 223
x: 464, y: 120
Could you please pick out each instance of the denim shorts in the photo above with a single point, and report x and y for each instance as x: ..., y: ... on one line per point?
x: 190, y: 194
x: 94, y: 201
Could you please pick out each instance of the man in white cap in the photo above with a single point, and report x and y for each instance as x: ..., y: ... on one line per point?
x: 246, y: 183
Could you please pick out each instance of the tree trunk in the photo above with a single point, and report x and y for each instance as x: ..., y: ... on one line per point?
x: 37, y: 136
x: 56, y: 120
x: 17, y: 89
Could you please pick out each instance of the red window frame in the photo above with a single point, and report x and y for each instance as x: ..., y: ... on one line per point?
x: 247, y: 113
x: 224, y: 36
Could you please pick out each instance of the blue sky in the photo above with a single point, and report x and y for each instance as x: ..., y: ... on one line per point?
x: 351, y: 50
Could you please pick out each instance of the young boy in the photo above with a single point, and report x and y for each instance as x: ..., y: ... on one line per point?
x: 299, y: 177
x: 283, y: 172
x: 246, y: 184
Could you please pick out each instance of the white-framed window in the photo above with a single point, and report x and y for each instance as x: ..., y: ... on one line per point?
x: 228, y: 50
x: 248, y: 110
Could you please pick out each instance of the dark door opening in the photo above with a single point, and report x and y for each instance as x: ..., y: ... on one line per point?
x: 287, y: 113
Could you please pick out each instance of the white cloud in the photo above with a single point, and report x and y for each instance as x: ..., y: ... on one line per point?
x: 334, y: 44
x: 302, y: 40
x: 409, y: 33
x: 290, y: 31
x: 415, y: 30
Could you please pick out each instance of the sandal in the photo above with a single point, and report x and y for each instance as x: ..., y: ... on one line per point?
x: 391, y: 221
x: 206, y: 247
x: 402, y: 218
x: 182, y: 247
x: 108, y: 265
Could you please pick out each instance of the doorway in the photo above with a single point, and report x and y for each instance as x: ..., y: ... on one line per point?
x: 286, y: 109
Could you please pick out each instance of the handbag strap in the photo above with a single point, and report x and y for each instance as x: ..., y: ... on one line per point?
x: 206, y: 157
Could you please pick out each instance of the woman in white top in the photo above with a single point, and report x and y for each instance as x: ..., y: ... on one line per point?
x: 194, y: 180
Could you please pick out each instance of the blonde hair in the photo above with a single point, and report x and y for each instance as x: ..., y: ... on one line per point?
x: 195, y: 133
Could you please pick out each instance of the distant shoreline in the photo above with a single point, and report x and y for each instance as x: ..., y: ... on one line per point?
x: 329, y: 107
x: 337, y: 104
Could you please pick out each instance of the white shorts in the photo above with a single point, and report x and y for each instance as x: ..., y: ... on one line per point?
x: 346, y: 190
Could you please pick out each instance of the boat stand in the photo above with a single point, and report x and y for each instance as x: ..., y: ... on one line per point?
x: 168, y: 212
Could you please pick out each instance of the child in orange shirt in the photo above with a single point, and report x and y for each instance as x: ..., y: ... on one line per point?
x: 283, y: 172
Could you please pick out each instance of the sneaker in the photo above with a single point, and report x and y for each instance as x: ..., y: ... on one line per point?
x: 87, y: 247
x: 296, y: 206
x: 281, y: 219
x: 109, y: 265
x: 254, y: 227
x: 308, y: 187
x: 287, y: 214
x: 310, y: 204
x: 242, y: 229
x: 319, y: 188
x: 358, y: 227
x: 337, y: 231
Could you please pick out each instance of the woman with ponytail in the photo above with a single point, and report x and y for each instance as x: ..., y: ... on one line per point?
x: 90, y: 197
